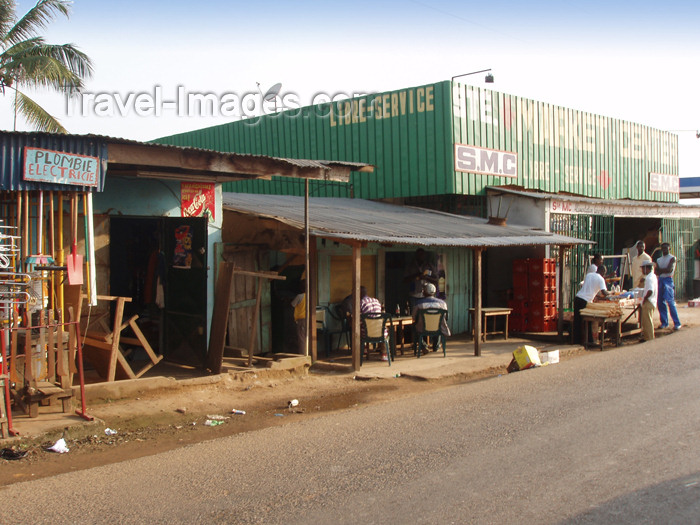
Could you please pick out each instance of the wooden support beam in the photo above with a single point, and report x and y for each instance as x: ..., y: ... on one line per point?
x: 477, y: 301
x: 560, y: 294
x: 313, y: 283
x: 356, y: 343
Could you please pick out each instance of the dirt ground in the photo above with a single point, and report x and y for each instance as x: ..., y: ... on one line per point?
x: 162, y: 420
x: 167, y: 419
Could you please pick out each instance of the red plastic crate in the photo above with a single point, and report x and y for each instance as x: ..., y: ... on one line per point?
x: 520, y: 266
x: 535, y: 324
x: 520, y: 295
x: 520, y: 281
x: 535, y: 265
x: 550, y: 309
x: 550, y: 325
x: 550, y: 265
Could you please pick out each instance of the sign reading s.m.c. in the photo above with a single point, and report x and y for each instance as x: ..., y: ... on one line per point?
x: 487, y: 161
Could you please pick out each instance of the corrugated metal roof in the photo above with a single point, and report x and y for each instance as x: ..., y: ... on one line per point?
x: 574, y: 198
x: 32, y: 136
x: 363, y: 220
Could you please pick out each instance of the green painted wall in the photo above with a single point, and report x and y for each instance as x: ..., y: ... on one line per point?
x: 560, y: 149
x: 410, y: 136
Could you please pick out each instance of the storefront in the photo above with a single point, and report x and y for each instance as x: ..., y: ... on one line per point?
x: 442, y: 145
x: 375, y: 241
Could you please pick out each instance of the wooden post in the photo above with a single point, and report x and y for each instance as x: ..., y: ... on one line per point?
x: 307, y: 294
x: 356, y: 343
x: 477, y: 301
x: 313, y: 285
x: 254, y: 329
x: 560, y: 296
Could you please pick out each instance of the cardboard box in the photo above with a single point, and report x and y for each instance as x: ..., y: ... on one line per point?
x: 549, y: 358
x: 526, y: 357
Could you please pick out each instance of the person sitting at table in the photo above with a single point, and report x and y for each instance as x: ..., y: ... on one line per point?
x: 371, y: 305
x: 593, y: 286
x: 429, y: 301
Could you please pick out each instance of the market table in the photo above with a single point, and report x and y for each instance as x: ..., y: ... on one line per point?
x: 494, y: 312
x: 399, y: 324
x: 614, y: 320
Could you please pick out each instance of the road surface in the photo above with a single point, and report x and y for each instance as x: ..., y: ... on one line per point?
x: 605, y: 438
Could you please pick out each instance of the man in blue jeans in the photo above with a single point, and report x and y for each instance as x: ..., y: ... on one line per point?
x: 665, y: 267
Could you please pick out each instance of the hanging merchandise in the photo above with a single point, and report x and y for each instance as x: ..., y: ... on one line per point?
x: 74, y: 261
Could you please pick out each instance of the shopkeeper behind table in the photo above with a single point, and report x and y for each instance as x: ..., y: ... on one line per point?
x: 419, y: 273
x: 593, y: 286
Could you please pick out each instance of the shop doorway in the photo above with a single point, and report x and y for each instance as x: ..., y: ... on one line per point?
x: 161, y: 263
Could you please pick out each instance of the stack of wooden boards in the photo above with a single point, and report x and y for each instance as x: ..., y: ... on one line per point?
x: 603, y: 310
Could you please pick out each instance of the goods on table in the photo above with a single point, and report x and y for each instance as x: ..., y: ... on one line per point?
x: 604, y: 309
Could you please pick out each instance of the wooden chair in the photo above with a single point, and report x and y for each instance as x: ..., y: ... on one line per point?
x: 106, y: 347
x: 430, y: 319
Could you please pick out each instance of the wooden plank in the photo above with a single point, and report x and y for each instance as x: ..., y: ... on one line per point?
x: 356, y: 344
x: 115, y: 353
x: 28, y: 373
x: 51, y: 349
x: 14, y: 336
x: 72, y: 342
x: 254, y: 328
x: 222, y: 303
x: 155, y: 359
x: 477, y: 301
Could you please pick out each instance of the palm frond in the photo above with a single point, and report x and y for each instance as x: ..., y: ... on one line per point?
x: 60, y: 67
x: 7, y: 16
x: 37, y: 116
x: 38, y: 17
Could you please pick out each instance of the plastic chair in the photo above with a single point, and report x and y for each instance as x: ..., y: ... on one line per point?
x: 328, y: 325
x: 375, y: 330
x: 431, y: 320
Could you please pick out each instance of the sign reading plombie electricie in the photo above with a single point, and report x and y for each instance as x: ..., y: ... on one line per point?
x: 59, y: 167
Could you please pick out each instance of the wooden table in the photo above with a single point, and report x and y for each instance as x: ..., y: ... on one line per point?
x: 399, y: 324
x: 615, y: 321
x: 493, y: 312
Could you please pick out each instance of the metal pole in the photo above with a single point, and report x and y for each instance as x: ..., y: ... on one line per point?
x: 307, y: 290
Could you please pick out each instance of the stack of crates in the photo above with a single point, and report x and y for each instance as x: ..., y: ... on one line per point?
x: 534, y: 296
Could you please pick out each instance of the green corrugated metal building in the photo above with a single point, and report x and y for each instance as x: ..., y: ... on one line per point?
x: 442, y: 145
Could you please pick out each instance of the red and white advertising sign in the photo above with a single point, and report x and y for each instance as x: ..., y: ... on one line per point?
x: 198, y: 199
x: 664, y: 183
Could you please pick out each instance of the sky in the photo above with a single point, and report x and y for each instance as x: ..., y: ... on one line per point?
x: 636, y: 61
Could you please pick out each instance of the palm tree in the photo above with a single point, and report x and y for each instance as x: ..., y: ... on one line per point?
x: 27, y: 61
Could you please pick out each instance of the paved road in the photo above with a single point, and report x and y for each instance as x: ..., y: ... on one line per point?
x: 605, y: 438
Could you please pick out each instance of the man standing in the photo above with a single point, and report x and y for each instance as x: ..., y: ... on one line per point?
x: 665, y: 268
x: 419, y: 273
x: 593, y: 284
x: 649, y: 298
x: 637, y: 262
x: 596, y: 261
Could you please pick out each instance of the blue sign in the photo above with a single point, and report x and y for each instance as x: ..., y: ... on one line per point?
x: 59, y: 167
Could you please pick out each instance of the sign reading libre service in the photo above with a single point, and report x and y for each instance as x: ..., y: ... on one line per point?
x: 198, y: 199
x: 59, y: 167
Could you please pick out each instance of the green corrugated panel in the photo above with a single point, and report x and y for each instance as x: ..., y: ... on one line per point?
x: 460, y: 287
x: 681, y: 234
x: 563, y: 149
